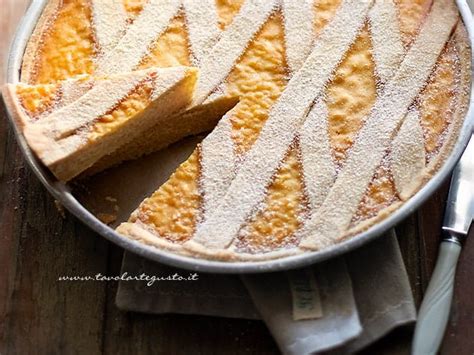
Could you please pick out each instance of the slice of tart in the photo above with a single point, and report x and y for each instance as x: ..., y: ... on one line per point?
x: 347, y: 108
x: 72, y: 124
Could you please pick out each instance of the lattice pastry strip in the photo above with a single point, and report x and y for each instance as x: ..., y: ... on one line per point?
x: 408, y: 156
x: 202, y: 26
x: 109, y: 21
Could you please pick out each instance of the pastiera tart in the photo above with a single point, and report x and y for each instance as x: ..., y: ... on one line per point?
x: 72, y: 124
x: 346, y: 108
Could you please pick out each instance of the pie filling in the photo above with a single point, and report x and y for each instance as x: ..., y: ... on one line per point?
x: 247, y: 51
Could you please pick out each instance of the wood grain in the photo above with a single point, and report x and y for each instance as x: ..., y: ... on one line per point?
x: 11, y: 172
x: 39, y: 314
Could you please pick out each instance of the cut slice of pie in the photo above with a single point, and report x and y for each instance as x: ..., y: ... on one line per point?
x: 326, y: 140
x: 72, y: 124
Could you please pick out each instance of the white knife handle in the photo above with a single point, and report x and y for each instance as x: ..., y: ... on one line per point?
x: 434, y: 312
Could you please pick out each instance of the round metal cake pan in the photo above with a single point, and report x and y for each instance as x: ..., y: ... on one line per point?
x: 63, y: 194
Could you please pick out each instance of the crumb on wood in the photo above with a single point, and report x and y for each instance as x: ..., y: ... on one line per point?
x: 107, y: 218
x: 60, y: 208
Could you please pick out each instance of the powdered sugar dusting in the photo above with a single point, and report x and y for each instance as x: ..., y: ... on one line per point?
x: 216, y: 66
x: 95, y: 103
x: 203, y: 29
x: 319, y: 170
x: 69, y: 91
x: 109, y: 21
x: 408, y: 154
x: 387, y: 42
x: 73, y: 89
x: 58, y: 150
x: 161, y: 83
x: 299, y: 34
x: 217, y: 165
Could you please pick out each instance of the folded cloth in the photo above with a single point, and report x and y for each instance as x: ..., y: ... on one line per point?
x: 272, y: 296
x: 352, y: 301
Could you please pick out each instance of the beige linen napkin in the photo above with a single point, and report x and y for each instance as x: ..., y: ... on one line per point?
x: 362, y: 296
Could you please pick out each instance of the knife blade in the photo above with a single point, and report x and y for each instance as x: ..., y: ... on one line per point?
x: 460, y: 206
x: 434, y: 312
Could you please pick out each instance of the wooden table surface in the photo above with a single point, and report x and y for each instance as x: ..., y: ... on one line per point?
x: 39, y: 314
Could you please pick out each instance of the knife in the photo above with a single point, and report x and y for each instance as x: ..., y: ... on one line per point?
x: 434, y: 312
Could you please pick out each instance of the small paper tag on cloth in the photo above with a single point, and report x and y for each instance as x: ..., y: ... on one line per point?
x: 305, y: 294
